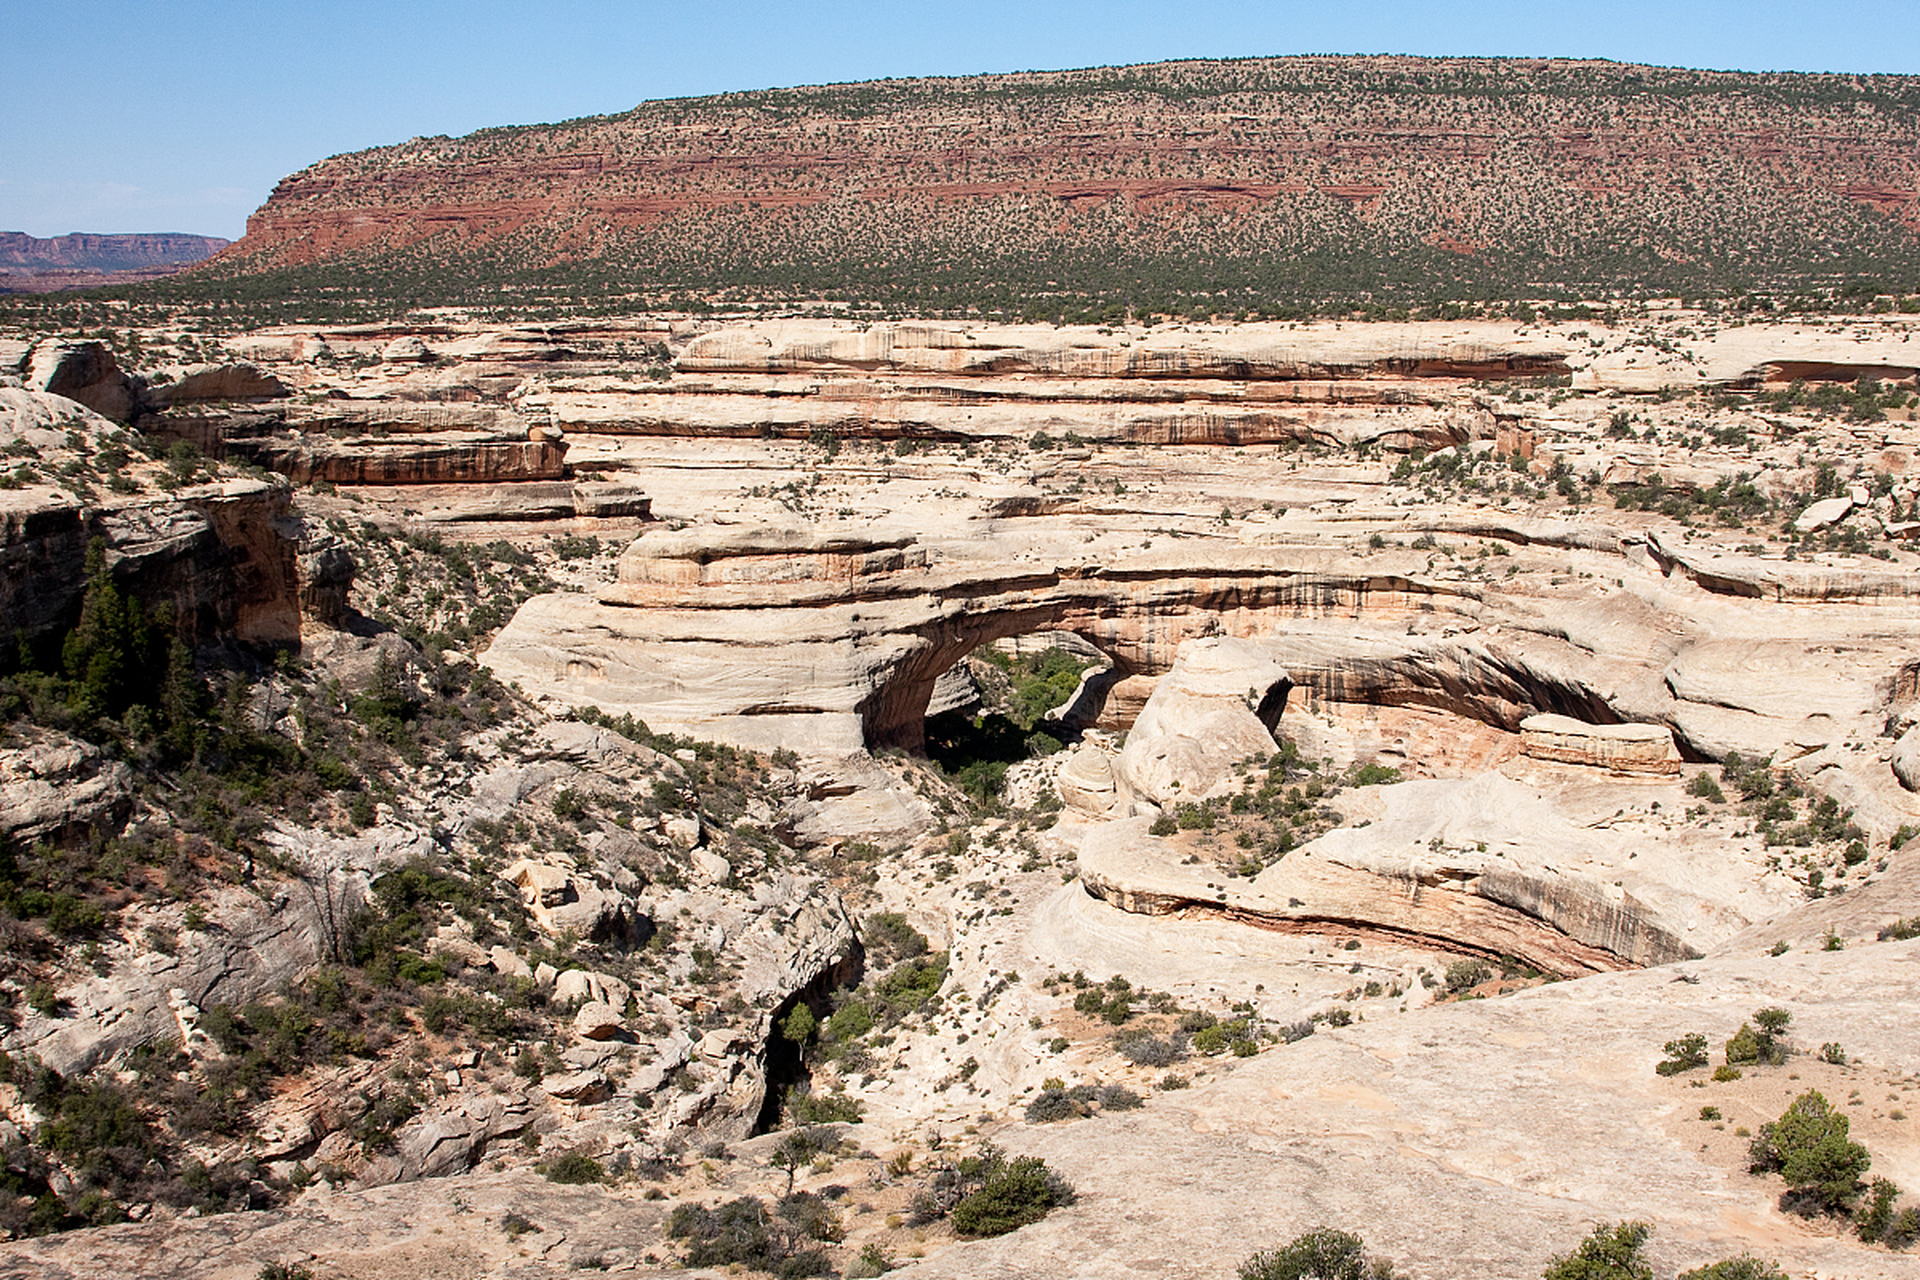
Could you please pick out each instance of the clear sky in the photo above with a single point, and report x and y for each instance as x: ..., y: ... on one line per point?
x: 180, y: 115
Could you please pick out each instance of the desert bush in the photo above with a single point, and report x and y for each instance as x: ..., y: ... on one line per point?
x: 1748, y: 1046
x: 805, y: 1107
x: 890, y: 939
x: 1703, y: 786
x: 1322, y: 1254
x: 1464, y: 975
x: 742, y: 1231
x: 1745, y: 1267
x: 575, y: 1168
x: 1809, y: 1148
x: 1877, y: 1214
x: 1012, y: 1193
x: 1608, y: 1253
x: 1684, y: 1054
x: 872, y: 1262
x: 1150, y: 1051
x: 1053, y: 1105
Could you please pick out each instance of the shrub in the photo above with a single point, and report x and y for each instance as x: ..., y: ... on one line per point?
x: 1808, y: 1147
x: 1745, y: 1267
x: 1052, y: 1105
x: 872, y: 1262
x: 575, y: 1168
x: 1608, y: 1253
x: 1833, y: 1053
x: 742, y: 1231
x: 1011, y: 1195
x: 1703, y: 786
x: 1322, y: 1254
x: 1150, y: 1051
x: 889, y: 938
x: 1117, y: 1097
x: 799, y: 1025
x: 1684, y: 1054
x: 809, y: 1108
x: 1877, y: 1215
x: 1464, y: 975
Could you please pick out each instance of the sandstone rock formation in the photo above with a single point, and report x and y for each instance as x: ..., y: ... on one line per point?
x: 219, y: 554
x: 1625, y: 748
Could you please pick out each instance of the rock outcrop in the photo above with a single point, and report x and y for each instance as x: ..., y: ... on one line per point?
x: 1622, y: 748
x: 53, y: 786
x: 1217, y: 706
x: 219, y: 555
x: 84, y: 372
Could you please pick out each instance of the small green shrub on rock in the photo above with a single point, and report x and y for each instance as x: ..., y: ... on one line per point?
x: 1684, y: 1054
x: 1323, y: 1254
x: 1012, y: 1195
x: 575, y: 1168
x: 1808, y: 1146
x: 1608, y: 1253
x: 1465, y: 975
x: 1745, y: 1267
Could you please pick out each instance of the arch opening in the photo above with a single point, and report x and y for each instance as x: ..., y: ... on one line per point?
x: 1014, y: 698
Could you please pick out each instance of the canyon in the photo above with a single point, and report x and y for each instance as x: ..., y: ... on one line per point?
x: 1461, y: 709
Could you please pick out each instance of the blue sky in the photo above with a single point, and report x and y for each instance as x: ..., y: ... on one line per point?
x: 172, y: 116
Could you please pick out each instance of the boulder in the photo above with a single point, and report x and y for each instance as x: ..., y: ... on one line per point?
x: 1621, y: 748
x: 711, y: 867
x: 598, y: 1020
x: 204, y: 382
x: 1086, y: 781
x: 52, y: 785
x: 508, y: 965
x: 406, y: 350
x: 1823, y: 514
x: 577, y: 1086
x: 451, y: 1138
x: 584, y: 984
x: 682, y: 828
x: 1906, y: 759
x: 608, y: 500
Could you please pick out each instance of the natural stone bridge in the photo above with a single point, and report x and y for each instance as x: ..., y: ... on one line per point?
x: 815, y: 639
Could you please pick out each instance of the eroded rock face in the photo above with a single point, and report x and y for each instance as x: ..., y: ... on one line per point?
x: 1483, y: 865
x: 53, y: 786
x: 215, y: 382
x: 255, y: 947
x: 84, y: 372
x: 219, y: 555
x: 1624, y: 748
